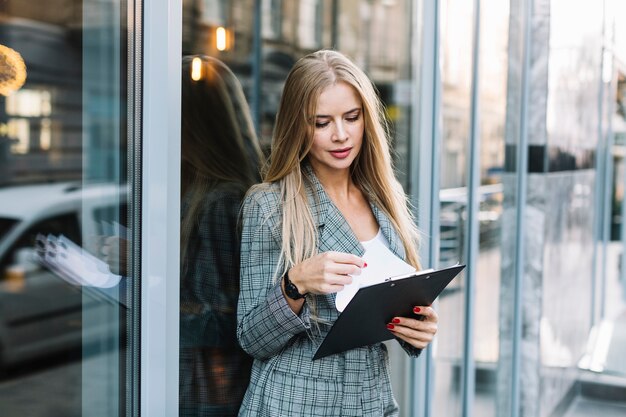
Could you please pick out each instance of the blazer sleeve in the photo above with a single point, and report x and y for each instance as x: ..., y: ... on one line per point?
x: 265, y: 322
x: 412, y: 351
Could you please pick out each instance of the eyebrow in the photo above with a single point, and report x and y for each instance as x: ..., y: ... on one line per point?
x: 317, y: 116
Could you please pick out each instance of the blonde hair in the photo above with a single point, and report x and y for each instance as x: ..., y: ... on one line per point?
x: 372, y: 171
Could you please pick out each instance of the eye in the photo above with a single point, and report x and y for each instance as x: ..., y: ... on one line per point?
x: 353, y: 118
x: 321, y: 125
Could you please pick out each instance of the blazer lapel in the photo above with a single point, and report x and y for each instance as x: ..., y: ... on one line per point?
x: 395, y: 243
x: 334, y: 231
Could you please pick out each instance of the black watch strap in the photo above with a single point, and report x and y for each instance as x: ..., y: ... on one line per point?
x: 290, y: 289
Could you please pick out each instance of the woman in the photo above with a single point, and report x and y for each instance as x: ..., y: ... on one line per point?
x: 220, y: 160
x: 328, y: 187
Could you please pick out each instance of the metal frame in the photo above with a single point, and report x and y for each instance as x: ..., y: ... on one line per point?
x: 160, y: 235
x: 134, y: 163
x: 608, y: 140
x: 600, y: 223
x: 425, y: 162
x: 520, y: 221
x: 257, y: 71
x: 473, y: 226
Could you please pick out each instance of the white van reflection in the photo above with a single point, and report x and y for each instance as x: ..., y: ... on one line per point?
x: 41, y: 310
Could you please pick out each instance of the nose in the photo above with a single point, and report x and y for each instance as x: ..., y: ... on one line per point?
x: 340, y: 132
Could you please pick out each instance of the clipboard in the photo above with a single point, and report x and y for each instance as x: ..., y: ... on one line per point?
x: 364, y: 320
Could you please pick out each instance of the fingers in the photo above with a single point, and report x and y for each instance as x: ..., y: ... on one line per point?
x: 418, y: 331
x: 326, y: 273
x: 343, y: 269
x: 426, y: 313
x: 330, y: 288
x: 113, y: 241
x: 345, y: 258
x: 333, y: 283
x: 113, y: 252
x: 337, y: 279
x: 339, y: 263
x: 339, y: 268
x: 420, y: 341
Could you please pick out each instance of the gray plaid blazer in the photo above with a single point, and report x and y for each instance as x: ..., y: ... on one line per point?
x: 285, y: 381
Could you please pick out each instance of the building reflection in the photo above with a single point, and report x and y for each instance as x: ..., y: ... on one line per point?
x: 220, y: 160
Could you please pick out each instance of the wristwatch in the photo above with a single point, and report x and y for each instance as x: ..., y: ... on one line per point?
x: 290, y: 289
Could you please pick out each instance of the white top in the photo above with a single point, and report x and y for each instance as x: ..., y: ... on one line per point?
x: 382, y: 263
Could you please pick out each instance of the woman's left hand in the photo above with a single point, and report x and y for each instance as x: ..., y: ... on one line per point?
x: 418, y: 332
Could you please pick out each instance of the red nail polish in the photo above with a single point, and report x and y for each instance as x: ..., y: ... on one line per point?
x: 390, y: 326
x: 396, y: 321
x: 364, y: 264
x: 417, y: 310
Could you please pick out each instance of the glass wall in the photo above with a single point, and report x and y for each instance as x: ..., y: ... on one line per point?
x: 542, y: 92
x: 456, y: 74
x: 456, y: 47
x: 573, y: 90
x: 251, y: 46
x: 605, y: 339
x: 534, y: 113
x: 492, y: 97
x: 66, y: 299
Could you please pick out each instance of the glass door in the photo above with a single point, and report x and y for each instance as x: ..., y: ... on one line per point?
x: 67, y: 210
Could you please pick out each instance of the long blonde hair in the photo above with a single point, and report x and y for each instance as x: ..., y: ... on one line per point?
x: 372, y: 171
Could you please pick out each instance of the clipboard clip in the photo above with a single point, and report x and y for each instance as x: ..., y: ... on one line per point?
x: 390, y: 279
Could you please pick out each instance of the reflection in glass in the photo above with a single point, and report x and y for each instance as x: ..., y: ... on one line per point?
x: 63, y: 321
x: 493, y: 64
x: 220, y: 161
x: 456, y: 72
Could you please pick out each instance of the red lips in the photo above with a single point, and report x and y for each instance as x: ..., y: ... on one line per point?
x: 341, y: 153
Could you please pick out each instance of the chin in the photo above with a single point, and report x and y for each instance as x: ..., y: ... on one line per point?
x: 341, y: 165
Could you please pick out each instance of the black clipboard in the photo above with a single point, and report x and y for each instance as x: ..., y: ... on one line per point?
x: 364, y: 320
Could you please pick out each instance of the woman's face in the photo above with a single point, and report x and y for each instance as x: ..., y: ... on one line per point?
x: 338, y: 129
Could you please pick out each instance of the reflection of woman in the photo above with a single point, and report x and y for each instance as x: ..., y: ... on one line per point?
x: 329, y: 187
x: 220, y: 158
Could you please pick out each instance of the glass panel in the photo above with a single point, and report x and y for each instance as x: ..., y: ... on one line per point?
x: 574, y: 80
x: 220, y: 161
x: 615, y: 363
x: 64, y: 311
x: 493, y: 61
x: 456, y: 72
x: 606, y: 339
x: 362, y: 29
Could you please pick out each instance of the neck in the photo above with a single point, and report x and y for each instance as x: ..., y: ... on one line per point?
x: 337, y: 184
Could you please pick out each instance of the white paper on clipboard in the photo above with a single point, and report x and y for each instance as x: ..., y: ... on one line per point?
x: 381, y: 265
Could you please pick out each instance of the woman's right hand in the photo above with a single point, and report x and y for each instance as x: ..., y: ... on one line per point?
x: 326, y: 272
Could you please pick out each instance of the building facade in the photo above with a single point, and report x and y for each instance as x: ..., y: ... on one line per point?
x: 508, y: 129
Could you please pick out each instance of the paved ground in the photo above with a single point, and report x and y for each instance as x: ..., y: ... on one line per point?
x: 51, y: 392
x: 63, y: 386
